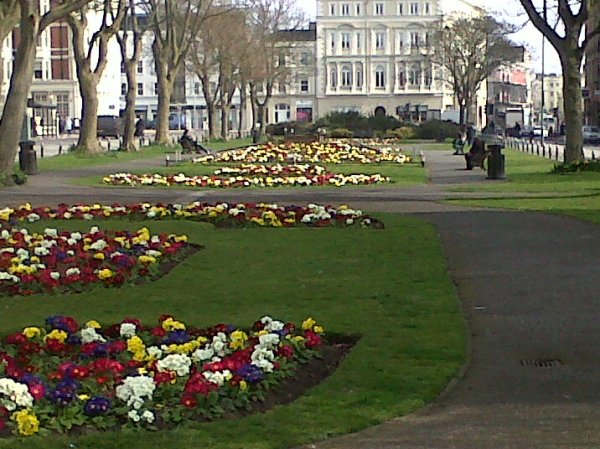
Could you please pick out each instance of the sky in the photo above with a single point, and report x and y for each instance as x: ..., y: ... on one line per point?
x: 512, y: 12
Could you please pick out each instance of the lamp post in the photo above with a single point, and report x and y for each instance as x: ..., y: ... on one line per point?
x: 545, y: 12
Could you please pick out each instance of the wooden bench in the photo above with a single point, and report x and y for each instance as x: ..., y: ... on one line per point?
x: 192, y: 146
x: 476, y: 160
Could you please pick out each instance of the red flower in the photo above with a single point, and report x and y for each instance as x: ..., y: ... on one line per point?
x: 16, y: 339
x: 158, y: 332
x: 164, y: 377
x: 189, y: 401
x: 55, y: 346
x: 135, y: 321
x: 286, y: 351
x: 38, y: 391
x: 312, y: 339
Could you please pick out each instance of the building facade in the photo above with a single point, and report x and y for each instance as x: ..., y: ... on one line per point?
x: 592, y: 74
x: 553, y: 105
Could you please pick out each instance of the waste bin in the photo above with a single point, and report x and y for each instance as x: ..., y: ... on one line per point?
x: 495, y: 163
x: 27, y: 157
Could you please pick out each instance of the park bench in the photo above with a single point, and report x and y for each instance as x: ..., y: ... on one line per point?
x: 476, y: 160
x: 190, y: 145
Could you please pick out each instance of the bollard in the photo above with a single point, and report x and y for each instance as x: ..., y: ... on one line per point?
x: 109, y: 145
x: 593, y: 155
x: 167, y: 160
x: 60, y: 149
x: 42, y: 151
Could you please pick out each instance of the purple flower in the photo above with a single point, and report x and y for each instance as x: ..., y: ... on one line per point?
x: 251, y: 373
x: 177, y: 337
x: 96, y: 406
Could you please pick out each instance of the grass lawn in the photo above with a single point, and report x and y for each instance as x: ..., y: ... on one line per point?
x: 69, y: 161
x: 576, y: 194
x: 391, y: 286
x: 531, y: 174
x: 401, y: 175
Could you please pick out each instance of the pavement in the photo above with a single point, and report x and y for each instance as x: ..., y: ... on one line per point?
x: 528, y: 283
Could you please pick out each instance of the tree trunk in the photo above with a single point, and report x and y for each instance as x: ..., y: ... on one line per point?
x: 88, y: 133
x: 210, y: 111
x: 165, y: 89
x: 129, y: 115
x: 225, y: 110
x: 242, y: 107
x: 573, y: 108
x: 16, y: 99
x: 260, y: 110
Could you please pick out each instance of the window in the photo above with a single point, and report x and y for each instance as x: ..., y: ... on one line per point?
x: 332, y: 9
x: 333, y: 78
x: 282, y: 87
x: 62, y: 104
x: 345, y: 9
x: 281, y: 60
x: 304, y: 85
x: 414, y: 39
x: 333, y: 41
x: 37, y: 71
x: 427, y: 9
x: 414, y: 9
x: 380, y: 77
x: 140, y: 67
x: 428, y: 78
x: 196, y: 88
x: 345, y: 41
x: 426, y: 40
x: 379, y: 9
x: 359, y: 78
x: 358, y: 10
x: 400, y: 9
x: 140, y: 89
x: 400, y: 41
x: 358, y: 41
x: 346, y: 76
x: 379, y: 41
x: 304, y: 58
x: 414, y: 75
x: 401, y: 77
x: 123, y: 89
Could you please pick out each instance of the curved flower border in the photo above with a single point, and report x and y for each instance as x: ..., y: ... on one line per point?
x: 333, y: 152
x: 63, y: 375
x: 219, y: 214
x: 55, y: 261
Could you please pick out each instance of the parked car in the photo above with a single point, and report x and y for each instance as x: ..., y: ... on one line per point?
x: 110, y: 126
x: 591, y: 134
x: 526, y: 131
x: 175, y: 122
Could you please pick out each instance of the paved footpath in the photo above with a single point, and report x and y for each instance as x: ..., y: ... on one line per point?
x: 529, y: 286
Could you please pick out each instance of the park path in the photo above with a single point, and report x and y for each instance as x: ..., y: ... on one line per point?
x: 529, y: 286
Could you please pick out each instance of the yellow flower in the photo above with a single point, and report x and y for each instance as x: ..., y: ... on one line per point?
x: 263, y: 332
x: 146, y: 259
x: 93, y: 324
x: 57, y: 335
x: 136, y: 345
x: 105, y: 274
x: 27, y: 422
x: 99, y: 256
x: 170, y: 324
x: 181, y: 238
x: 298, y: 338
x: 31, y: 332
x: 308, y: 323
x: 243, y: 385
x: 319, y: 329
x: 238, y: 338
x: 83, y: 397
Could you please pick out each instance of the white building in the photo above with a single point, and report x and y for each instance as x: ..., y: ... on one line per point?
x: 372, y: 57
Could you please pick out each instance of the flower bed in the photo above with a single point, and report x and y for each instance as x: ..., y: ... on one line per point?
x: 257, y: 176
x: 64, y: 376
x: 70, y: 261
x: 221, y: 214
x: 331, y: 153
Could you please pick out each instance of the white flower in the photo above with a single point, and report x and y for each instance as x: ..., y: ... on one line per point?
x: 15, y: 393
x: 133, y: 415
x: 4, y: 234
x: 135, y: 390
x: 72, y: 272
x: 268, y: 341
x: 98, y: 245
x: 218, y: 377
x: 4, y: 276
x: 94, y: 230
x: 154, y: 352
x: 89, y: 335
x: 55, y: 275
x: 179, y: 363
x: 32, y: 217
x: 201, y: 355
x: 127, y: 330
x: 148, y: 416
x: 274, y: 326
x: 50, y: 232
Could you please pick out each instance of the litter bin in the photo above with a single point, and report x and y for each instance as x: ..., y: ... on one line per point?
x: 495, y: 163
x: 27, y: 157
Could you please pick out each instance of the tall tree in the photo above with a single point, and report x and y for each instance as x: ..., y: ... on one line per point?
x: 564, y: 29
x: 136, y: 24
x: 175, y: 24
x: 91, y: 57
x: 270, y: 50
x: 32, y: 22
x: 468, y: 50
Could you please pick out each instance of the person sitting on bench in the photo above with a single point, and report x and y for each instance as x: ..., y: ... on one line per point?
x: 189, y: 145
x: 477, y: 154
x: 458, y: 144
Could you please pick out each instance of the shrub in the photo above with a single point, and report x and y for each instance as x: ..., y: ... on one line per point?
x: 578, y: 166
x: 278, y: 129
x: 437, y: 129
x: 341, y: 133
x: 404, y: 132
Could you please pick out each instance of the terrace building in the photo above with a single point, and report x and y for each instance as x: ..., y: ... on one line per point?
x: 592, y: 75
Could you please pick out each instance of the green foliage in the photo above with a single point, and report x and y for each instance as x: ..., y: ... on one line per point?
x: 437, y: 129
x: 402, y: 133
x: 579, y: 166
x: 278, y: 129
x: 343, y: 133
